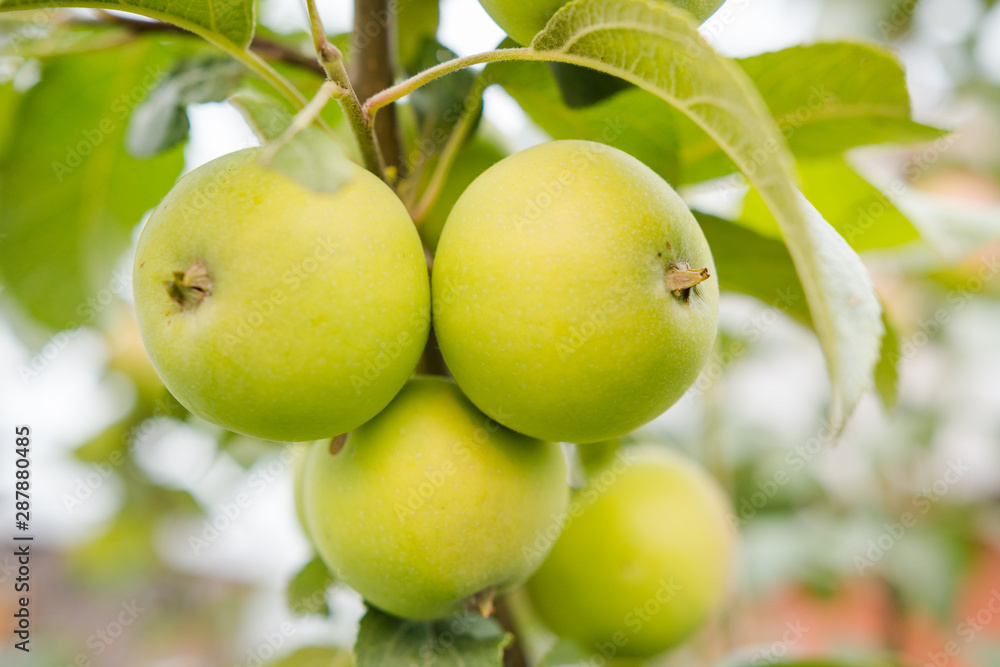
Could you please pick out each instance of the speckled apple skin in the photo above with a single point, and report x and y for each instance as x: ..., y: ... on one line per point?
x: 550, y: 302
x: 319, y: 305
x: 431, y: 502
x: 645, y: 561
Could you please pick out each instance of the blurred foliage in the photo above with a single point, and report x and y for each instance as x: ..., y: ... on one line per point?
x: 93, y: 119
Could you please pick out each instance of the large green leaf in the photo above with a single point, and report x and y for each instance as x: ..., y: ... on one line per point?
x: 417, y: 22
x: 657, y: 47
x: 465, y: 640
x: 755, y: 265
x: 829, y: 97
x: 637, y: 122
x: 865, y: 217
x: 69, y: 192
x: 306, y: 593
x: 228, y: 23
x: 826, y: 98
x: 161, y: 122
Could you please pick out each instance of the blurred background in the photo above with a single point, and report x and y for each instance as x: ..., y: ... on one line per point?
x: 162, y: 541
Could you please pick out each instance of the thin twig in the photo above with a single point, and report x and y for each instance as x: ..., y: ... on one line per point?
x: 450, y: 151
x: 513, y: 655
x: 332, y: 61
x: 404, y: 88
x: 372, y: 68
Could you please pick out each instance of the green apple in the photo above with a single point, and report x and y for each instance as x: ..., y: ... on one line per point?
x: 431, y: 506
x: 575, y: 296
x: 643, y: 562
x: 276, y: 311
x: 521, y: 20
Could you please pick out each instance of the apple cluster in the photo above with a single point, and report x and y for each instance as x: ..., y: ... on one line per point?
x: 574, y: 300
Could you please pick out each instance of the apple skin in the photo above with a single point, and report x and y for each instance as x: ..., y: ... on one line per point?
x: 522, y: 20
x: 318, y: 308
x: 431, y: 502
x: 550, y: 302
x: 645, y: 561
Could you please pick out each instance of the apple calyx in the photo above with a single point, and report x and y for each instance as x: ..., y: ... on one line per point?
x: 482, y: 601
x: 681, y: 278
x: 189, y: 288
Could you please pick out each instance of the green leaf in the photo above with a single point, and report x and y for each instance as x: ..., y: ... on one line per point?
x: 266, y: 115
x: 224, y: 22
x: 582, y: 86
x: 887, y: 370
x: 313, y: 159
x: 160, y: 122
x: 657, y: 47
x: 69, y: 191
x: 634, y: 120
x: 307, y: 590
x: 825, y: 98
x: 418, y: 24
x: 755, y: 265
x: 865, y: 217
x: 830, y: 97
x: 464, y: 640
x: 315, y: 656
x: 439, y: 105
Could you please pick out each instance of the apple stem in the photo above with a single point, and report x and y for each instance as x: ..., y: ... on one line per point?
x: 189, y: 288
x: 681, y: 278
x: 483, y: 601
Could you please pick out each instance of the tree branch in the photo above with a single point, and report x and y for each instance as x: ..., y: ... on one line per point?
x: 265, y: 48
x: 372, y: 70
x: 513, y: 656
